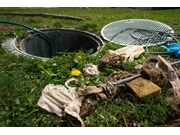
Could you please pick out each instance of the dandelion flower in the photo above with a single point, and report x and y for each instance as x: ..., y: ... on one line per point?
x: 75, y: 72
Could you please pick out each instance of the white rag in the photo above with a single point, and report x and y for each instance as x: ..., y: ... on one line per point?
x: 130, y: 52
x: 90, y: 69
x: 57, y: 99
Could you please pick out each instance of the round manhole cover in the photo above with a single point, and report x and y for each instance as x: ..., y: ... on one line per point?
x: 137, y: 32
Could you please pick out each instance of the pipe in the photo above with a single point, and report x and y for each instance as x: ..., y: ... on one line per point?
x: 28, y: 27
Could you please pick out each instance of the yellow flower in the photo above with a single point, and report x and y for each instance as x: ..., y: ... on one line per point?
x: 75, y: 72
x: 79, y: 56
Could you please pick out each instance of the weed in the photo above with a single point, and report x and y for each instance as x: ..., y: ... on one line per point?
x: 58, y: 24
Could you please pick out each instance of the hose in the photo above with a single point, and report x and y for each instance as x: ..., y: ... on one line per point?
x: 38, y: 31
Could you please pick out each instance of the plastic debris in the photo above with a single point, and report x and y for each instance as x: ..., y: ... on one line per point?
x: 173, y: 48
x: 130, y: 52
x: 90, y: 69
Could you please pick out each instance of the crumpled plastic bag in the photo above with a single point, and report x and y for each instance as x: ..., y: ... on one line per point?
x: 90, y: 69
x: 173, y: 48
x: 130, y: 52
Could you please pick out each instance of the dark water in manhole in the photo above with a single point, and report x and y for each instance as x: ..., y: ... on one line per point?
x: 69, y: 40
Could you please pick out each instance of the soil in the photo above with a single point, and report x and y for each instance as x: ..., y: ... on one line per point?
x: 6, y: 28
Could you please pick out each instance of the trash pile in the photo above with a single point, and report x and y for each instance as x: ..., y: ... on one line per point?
x: 155, y: 73
x: 144, y: 81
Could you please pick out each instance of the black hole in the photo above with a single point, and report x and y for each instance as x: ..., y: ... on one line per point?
x: 70, y: 40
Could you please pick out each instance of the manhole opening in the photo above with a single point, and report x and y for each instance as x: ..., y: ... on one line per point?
x: 66, y: 40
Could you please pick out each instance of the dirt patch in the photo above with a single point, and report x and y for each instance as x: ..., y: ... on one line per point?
x: 6, y: 28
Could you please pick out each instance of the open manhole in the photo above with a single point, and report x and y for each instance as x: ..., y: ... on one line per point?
x: 65, y: 39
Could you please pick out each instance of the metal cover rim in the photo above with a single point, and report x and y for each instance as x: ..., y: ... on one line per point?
x: 111, y: 29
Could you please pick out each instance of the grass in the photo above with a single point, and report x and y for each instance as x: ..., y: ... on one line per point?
x: 22, y: 79
x: 131, y: 113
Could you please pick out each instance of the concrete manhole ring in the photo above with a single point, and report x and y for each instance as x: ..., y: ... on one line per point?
x: 67, y: 39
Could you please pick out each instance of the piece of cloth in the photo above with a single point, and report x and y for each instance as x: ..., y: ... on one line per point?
x: 90, y: 69
x: 57, y: 99
x: 130, y: 52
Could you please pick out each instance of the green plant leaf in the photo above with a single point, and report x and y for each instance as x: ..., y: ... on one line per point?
x: 17, y: 101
